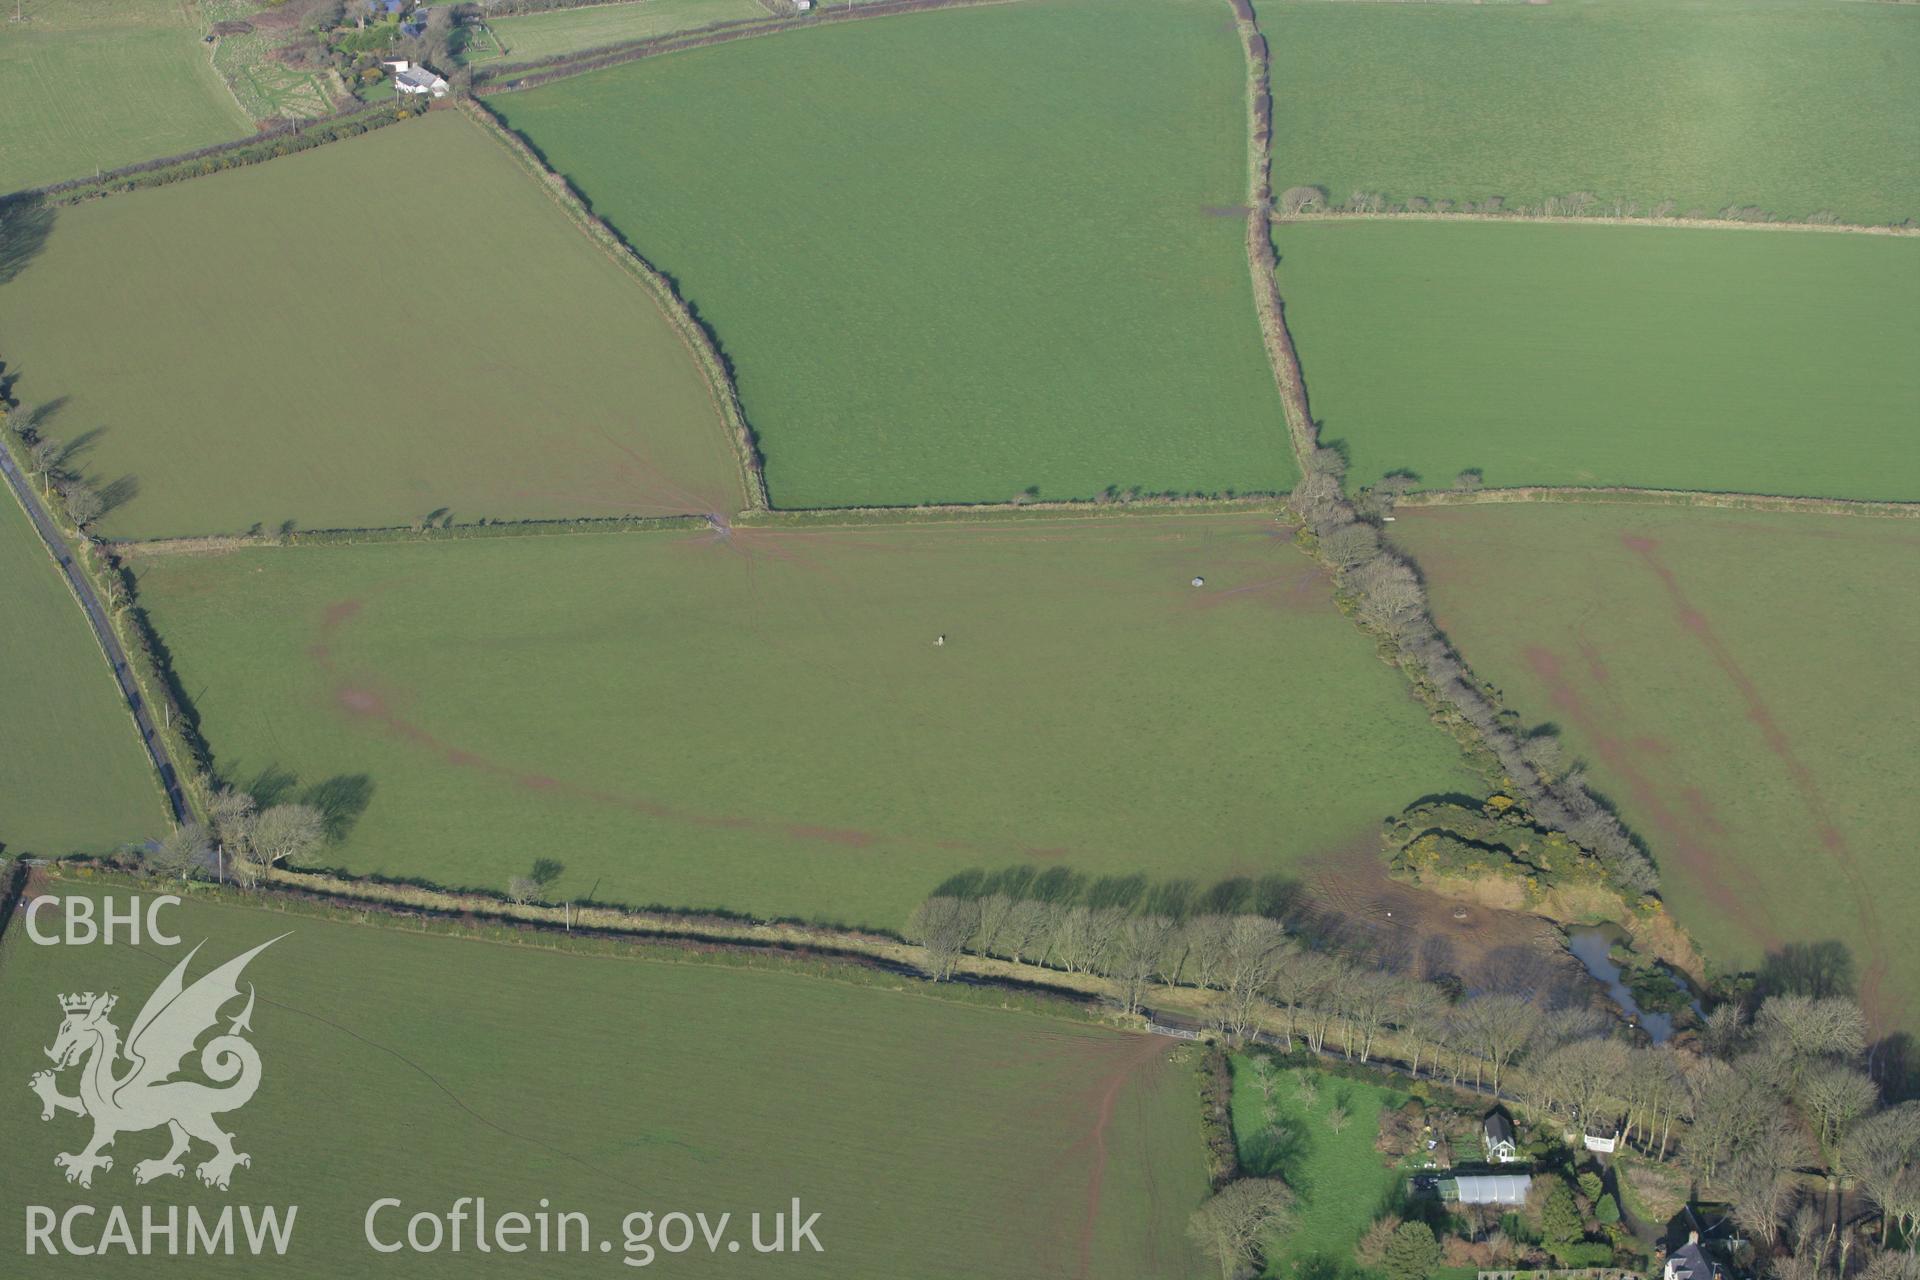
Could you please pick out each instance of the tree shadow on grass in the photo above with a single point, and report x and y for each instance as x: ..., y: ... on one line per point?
x: 341, y: 799
x: 25, y: 223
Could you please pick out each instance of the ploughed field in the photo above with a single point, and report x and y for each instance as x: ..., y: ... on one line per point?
x: 1591, y: 355
x: 937, y: 1137
x: 285, y: 342
x: 87, y: 85
x: 1796, y: 109
x: 957, y: 256
x: 1740, y: 685
x: 72, y: 775
x: 761, y: 720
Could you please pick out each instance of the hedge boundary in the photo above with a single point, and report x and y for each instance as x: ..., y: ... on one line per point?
x: 270, y: 144
x: 699, y: 340
x: 509, y: 77
x: 1262, y: 262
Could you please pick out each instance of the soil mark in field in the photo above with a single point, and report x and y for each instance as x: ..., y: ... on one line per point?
x: 1105, y: 1076
x: 1781, y: 745
x: 1678, y: 833
x: 359, y: 700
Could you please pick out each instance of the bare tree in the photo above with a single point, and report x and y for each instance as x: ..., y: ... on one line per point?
x: 1805, y: 1029
x: 1138, y: 949
x: 1298, y: 200
x: 82, y: 501
x: 1498, y: 1026
x: 231, y: 813
x: 287, y: 833
x: 1585, y: 1072
x: 181, y: 851
x: 1837, y: 1096
x: 1256, y: 947
x: 1878, y: 1152
x: 943, y: 925
x: 522, y: 890
x: 1237, y: 1224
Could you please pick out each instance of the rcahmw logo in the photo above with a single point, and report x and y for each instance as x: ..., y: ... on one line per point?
x: 128, y: 1087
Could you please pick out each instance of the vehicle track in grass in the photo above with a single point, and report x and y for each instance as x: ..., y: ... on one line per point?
x: 1780, y: 744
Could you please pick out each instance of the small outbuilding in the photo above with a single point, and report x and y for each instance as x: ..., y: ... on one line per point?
x: 1496, y: 1134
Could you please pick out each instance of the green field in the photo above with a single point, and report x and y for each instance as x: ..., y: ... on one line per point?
x: 1592, y: 355
x: 1797, y: 108
x: 542, y: 35
x: 932, y: 291
x: 1741, y: 685
x: 93, y: 84
x: 937, y: 1138
x: 72, y: 775
x: 1340, y: 1181
x: 765, y: 723
x: 283, y: 342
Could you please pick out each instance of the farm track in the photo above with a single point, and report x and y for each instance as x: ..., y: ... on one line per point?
x: 1598, y: 220
x: 103, y: 632
x: 1662, y: 498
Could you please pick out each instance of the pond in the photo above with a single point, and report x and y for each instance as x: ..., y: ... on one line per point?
x: 1592, y: 945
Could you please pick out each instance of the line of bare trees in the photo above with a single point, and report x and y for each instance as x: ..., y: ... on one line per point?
x: 1386, y: 595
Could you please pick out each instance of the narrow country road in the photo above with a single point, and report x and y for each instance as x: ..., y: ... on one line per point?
x: 103, y: 632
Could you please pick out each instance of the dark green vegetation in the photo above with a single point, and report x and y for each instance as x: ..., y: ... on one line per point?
x: 1584, y: 355
x: 762, y: 721
x: 1341, y: 1183
x: 1740, y: 684
x: 280, y: 343
x: 1794, y: 108
x: 95, y: 84
x: 936, y: 1137
x: 931, y: 293
x: 72, y: 776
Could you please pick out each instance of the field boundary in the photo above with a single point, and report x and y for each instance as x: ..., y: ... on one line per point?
x: 264, y: 145
x: 700, y: 341
x: 826, y: 518
x: 1180, y: 1012
x: 1627, y: 496
x: 1262, y: 262
x: 510, y: 77
x: 1592, y: 220
x: 126, y: 677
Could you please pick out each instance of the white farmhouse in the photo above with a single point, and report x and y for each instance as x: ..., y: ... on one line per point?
x: 420, y: 80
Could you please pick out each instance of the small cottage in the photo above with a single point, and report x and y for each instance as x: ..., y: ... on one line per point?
x: 1496, y: 1133
x: 420, y: 80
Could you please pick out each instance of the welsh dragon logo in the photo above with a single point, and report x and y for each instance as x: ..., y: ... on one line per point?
x: 143, y: 1095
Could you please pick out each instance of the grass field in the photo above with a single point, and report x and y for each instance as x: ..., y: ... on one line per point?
x: 542, y: 35
x: 1742, y: 687
x: 764, y: 723
x: 935, y: 1138
x: 1584, y: 355
x: 1794, y: 107
x: 932, y: 291
x: 332, y: 360
x: 1339, y: 1179
x: 93, y: 84
x: 72, y: 775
